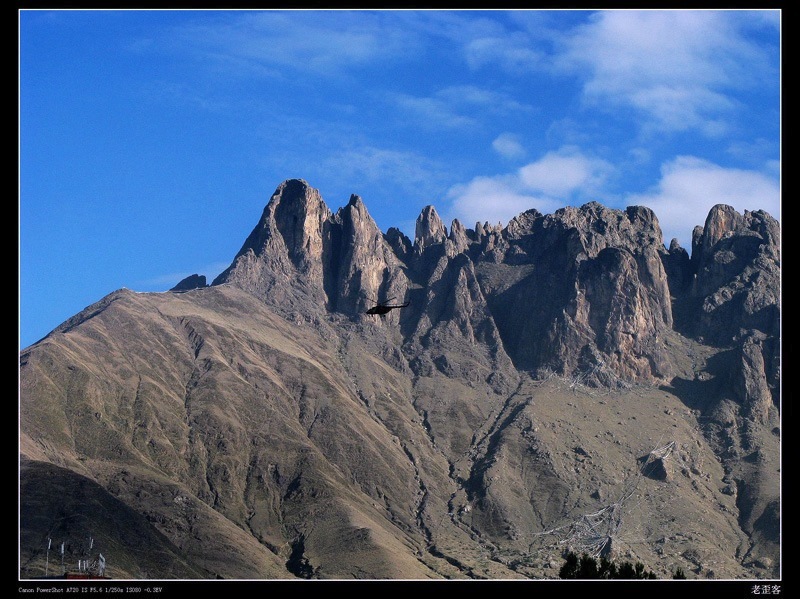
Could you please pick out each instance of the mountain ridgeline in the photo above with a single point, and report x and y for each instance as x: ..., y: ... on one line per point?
x: 565, y: 365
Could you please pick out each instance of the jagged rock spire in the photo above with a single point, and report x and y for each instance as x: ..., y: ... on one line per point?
x: 458, y: 237
x: 362, y: 267
x: 430, y: 229
x: 300, y: 249
x: 287, y: 241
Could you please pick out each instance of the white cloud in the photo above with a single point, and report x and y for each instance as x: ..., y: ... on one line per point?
x: 559, y: 174
x: 674, y: 66
x: 508, y: 146
x: 494, y: 200
x: 690, y: 187
x: 555, y: 180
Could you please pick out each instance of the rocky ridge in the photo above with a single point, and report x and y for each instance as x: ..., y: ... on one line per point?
x: 583, y: 289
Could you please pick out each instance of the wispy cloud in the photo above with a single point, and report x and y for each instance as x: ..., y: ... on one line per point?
x: 473, y: 96
x: 401, y: 170
x: 674, y: 67
x: 690, y: 187
x: 511, y: 50
x: 266, y: 42
x: 447, y: 107
x: 754, y: 152
x: 455, y: 27
x: 508, y: 146
x: 432, y: 112
x: 184, y: 96
x: 553, y: 181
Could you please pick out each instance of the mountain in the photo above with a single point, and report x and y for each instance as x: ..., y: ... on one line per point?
x: 564, y: 381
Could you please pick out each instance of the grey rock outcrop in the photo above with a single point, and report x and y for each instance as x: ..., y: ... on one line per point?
x: 749, y: 379
x: 400, y: 244
x: 191, y: 282
x: 586, y: 293
x: 458, y: 238
x: 737, y: 282
x: 429, y: 229
x: 678, y: 266
x: 360, y: 267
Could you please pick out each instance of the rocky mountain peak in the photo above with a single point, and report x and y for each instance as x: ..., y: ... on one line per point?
x: 458, y: 238
x: 722, y: 220
x: 287, y: 241
x: 593, y: 287
x: 736, y: 261
x: 299, y: 213
x: 430, y: 229
x: 290, y: 227
x: 194, y: 281
x: 301, y: 251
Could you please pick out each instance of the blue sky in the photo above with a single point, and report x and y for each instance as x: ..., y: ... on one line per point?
x: 150, y: 141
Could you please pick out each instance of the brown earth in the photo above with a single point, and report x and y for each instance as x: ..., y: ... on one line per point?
x: 255, y: 447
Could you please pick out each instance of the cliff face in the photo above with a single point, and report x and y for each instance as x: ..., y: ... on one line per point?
x: 737, y: 274
x: 594, y: 300
x: 535, y: 365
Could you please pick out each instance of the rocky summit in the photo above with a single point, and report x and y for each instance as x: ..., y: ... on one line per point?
x: 564, y: 382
